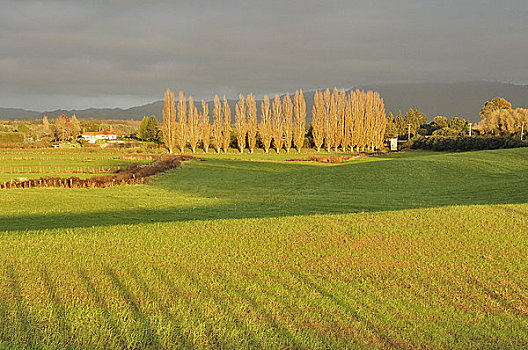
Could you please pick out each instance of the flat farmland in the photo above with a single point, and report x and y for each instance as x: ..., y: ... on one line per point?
x: 411, y: 250
x: 59, y: 163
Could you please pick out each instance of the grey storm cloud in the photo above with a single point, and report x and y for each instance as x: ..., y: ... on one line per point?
x: 120, y: 53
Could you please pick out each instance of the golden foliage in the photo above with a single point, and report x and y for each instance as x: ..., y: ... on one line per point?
x: 181, y: 126
x: 368, y: 120
x: 240, y: 123
x: 504, y: 121
x: 193, y: 125
x: 318, y: 120
x: 277, y: 123
x: 350, y: 121
x: 251, y: 122
x: 218, y: 122
x: 299, y: 124
x: 226, y: 125
x: 169, y: 121
x: 205, y: 127
x: 264, y: 129
x: 287, y: 129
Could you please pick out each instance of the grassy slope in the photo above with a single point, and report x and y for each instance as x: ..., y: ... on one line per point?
x: 111, y: 265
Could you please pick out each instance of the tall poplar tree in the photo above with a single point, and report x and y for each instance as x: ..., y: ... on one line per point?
x: 379, y: 122
x: 332, y: 131
x: 358, y: 118
x: 205, y: 127
x: 169, y: 121
x: 241, y: 127
x: 277, y: 123
x: 340, y: 131
x: 328, y: 115
x: 218, y: 124
x: 299, y: 124
x: 318, y: 120
x: 369, y: 120
x: 226, y: 127
x: 45, y: 125
x: 181, y: 129
x: 348, y: 125
x: 287, y: 112
x: 264, y: 129
x: 251, y: 122
x: 193, y: 125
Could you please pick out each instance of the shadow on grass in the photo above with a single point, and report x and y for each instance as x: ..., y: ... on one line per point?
x: 183, y: 340
x: 175, y: 292
x: 263, y: 190
x: 236, y: 210
x: 377, y: 331
x: 149, y: 338
x: 22, y: 329
x: 99, y: 301
x: 287, y: 338
x: 59, y: 311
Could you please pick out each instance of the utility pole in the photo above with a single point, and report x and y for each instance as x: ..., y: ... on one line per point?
x: 522, y: 131
x: 470, y: 124
x: 408, y: 132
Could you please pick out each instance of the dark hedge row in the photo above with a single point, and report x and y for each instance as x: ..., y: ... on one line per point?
x: 465, y: 143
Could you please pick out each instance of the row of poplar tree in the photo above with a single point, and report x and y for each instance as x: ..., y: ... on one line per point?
x: 350, y: 121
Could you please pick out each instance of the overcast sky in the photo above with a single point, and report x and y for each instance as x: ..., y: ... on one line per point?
x: 118, y: 53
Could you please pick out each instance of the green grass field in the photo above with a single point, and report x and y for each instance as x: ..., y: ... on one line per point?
x: 58, y: 163
x: 411, y: 250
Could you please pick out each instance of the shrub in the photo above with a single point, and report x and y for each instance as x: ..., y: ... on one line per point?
x: 464, y: 143
x: 11, y: 138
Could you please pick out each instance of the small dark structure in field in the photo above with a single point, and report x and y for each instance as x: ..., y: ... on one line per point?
x: 133, y: 174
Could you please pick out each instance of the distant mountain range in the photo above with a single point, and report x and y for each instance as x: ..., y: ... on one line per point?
x: 446, y: 99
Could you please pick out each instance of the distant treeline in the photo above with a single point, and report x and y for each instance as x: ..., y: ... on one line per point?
x: 350, y: 121
x: 61, y: 128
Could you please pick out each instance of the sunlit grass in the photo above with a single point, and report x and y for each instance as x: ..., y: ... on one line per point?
x: 422, y: 250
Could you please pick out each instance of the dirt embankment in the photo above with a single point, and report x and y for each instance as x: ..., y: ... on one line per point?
x: 133, y: 174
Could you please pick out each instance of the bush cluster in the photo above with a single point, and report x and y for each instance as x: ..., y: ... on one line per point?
x: 464, y: 143
x: 11, y: 138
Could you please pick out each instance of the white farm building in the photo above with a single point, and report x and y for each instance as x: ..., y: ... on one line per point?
x: 92, y: 137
